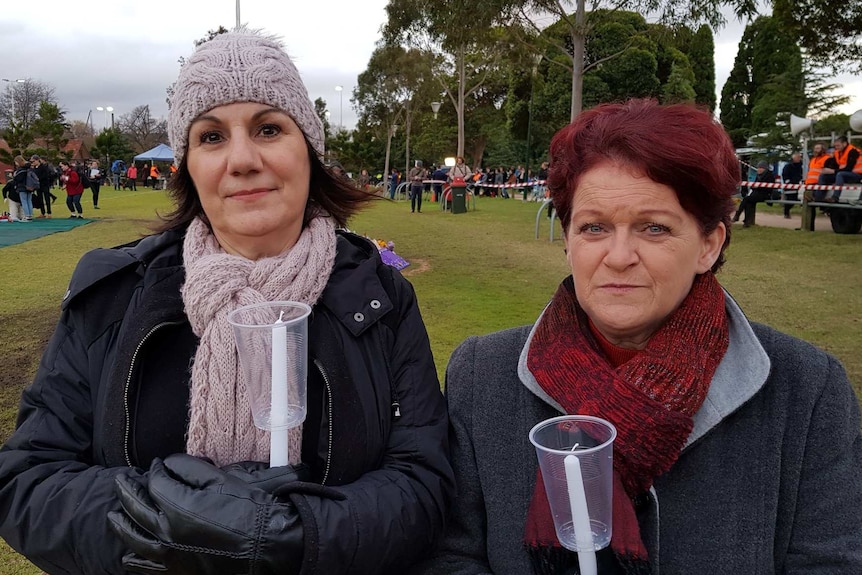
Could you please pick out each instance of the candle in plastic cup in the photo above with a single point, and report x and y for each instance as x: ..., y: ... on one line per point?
x: 580, y: 515
x: 272, y: 344
x: 581, y: 525
x: 278, y: 445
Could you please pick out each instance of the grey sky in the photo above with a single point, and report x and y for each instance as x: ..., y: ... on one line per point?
x: 123, y: 54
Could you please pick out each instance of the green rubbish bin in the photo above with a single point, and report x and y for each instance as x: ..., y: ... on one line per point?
x: 459, y: 199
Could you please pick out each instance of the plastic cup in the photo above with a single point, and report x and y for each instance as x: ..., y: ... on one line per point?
x: 276, y: 389
x: 580, y: 505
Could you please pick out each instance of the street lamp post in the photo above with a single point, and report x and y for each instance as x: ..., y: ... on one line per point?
x: 340, y: 90
x: 537, y: 59
x: 107, y: 109
x: 435, y: 107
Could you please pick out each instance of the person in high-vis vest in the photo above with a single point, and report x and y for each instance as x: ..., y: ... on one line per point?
x: 849, y: 165
x: 815, y: 169
x: 154, y: 175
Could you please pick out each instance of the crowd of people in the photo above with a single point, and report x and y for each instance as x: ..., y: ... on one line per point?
x: 843, y: 166
x: 737, y: 447
x: 492, y: 182
x: 29, y: 186
x: 840, y: 167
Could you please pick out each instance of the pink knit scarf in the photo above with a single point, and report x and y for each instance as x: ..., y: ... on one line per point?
x: 220, y: 422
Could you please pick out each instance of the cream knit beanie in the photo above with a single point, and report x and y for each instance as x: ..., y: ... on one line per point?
x: 240, y: 66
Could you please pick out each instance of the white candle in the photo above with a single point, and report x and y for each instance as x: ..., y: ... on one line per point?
x: 580, y: 516
x: 278, y: 448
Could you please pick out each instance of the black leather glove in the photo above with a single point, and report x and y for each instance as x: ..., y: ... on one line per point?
x: 194, y: 518
x: 271, y: 479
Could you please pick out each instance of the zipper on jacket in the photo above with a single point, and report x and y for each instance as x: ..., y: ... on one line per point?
x: 126, y: 409
x: 329, y: 419
x: 395, y: 406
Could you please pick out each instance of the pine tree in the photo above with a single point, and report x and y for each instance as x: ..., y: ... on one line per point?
x: 678, y: 88
x: 765, y: 86
x: 701, y: 55
x: 736, y: 94
x: 779, y: 84
x: 50, y: 126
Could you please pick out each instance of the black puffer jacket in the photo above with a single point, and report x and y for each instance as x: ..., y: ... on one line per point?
x: 112, y: 393
x: 21, y: 179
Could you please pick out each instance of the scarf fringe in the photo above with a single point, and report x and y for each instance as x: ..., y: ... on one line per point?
x: 633, y: 565
x: 557, y: 560
x: 552, y: 560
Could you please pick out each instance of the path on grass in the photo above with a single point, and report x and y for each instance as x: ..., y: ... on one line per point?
x: 821, y: 223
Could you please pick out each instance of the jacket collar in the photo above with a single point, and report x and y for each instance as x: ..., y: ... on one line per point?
x: 740, y: 375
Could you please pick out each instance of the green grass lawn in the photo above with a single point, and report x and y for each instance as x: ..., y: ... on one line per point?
x: 473, y: 273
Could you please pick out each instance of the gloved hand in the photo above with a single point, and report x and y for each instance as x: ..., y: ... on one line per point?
x: 193, y: 518
x: 270, y: 479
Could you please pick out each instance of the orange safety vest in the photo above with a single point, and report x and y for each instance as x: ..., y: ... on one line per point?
x: 815, y: 166
x: 843, y: 156
x: 154, y: 172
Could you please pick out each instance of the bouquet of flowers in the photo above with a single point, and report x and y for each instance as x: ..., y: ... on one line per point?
x: 388, y: 255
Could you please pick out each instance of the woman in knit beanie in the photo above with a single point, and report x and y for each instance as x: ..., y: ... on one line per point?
x: 137, y: 432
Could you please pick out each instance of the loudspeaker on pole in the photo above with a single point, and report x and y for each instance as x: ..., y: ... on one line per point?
x: 798, y: 125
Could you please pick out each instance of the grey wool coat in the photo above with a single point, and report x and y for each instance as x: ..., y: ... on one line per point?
x: 770, y: 481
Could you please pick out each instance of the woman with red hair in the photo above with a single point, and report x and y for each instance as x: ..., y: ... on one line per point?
x: 738, y: 448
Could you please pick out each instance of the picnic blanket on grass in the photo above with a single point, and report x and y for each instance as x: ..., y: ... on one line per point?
x: 12, y: 233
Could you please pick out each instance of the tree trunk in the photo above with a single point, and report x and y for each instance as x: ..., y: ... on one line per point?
x: 407, y: 150
x: 386, y: 164
x: 408, y: 122
x: 579, y: 38
x: 460, y: 107
x: 477, y: 150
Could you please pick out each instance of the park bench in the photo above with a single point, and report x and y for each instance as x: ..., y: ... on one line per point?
x: 845, y: 215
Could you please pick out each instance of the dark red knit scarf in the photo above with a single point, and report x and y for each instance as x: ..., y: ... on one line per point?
x: 650, y: 399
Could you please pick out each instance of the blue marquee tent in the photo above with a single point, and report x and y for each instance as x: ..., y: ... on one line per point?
x: 160, y: 153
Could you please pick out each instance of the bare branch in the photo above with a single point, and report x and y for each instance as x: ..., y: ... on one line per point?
x: 447, y: 90
x: 564, y: 15
x: 549, y: 41
x: 592, y: 65
x: 480, y: 82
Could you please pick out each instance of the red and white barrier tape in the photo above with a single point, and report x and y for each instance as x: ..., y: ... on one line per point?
x: 747, y: 184
x: 485, y: 185
x: 796, y: 186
